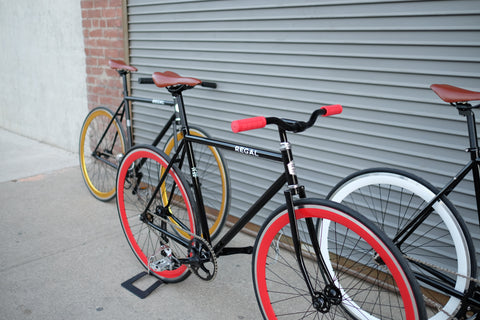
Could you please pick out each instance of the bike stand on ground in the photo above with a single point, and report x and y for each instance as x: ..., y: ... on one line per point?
x: 142, y: 294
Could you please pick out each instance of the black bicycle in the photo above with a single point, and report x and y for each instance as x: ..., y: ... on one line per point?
x: 423, y: 223
x: 103, y: 143
x: 349, y: 270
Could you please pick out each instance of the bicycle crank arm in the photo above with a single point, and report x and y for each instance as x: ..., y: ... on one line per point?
x: 235, y: 250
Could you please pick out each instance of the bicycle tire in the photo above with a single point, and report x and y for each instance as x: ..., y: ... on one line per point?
x: 98, y: 175
x: 138, y: 176
x: 350, y: 244
x: 390, y: 198
x: 214, y: 178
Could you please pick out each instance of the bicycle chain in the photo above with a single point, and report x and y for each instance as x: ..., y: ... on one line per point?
x: 434, y: 303
x: 213, y: 257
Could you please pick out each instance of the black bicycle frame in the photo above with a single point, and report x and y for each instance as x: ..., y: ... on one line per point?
x: 220, y: 248
x: 288, y: 176
x: 124, y: 110
x: 472, y: 165
x: 445, y: 284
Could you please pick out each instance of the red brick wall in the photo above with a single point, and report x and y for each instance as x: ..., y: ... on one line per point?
x: 103, y: 37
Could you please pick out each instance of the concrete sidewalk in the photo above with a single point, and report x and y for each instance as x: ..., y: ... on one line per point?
x: 63, y: 254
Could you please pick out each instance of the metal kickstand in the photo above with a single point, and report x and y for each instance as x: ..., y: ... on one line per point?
x: 142, y: 294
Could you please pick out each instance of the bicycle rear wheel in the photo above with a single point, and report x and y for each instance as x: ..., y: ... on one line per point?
x: 155, y: 214
x: 391, y: 199
x: 213, y: 174
x: 369, y: 271
x: 99, y: 164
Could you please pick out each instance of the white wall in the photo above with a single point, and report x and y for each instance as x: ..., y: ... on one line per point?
x: 42, y: 79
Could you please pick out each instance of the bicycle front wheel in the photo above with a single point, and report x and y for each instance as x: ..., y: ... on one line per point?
x: 440, y: 250
x: 368, y: 270
x: 213, y: 174
x: 156, y: 211
x: 102, y: 145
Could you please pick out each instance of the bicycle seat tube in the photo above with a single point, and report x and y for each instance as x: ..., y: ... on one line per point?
x: 127, y: 107
x: 466, y: 110
x: 180, y: 109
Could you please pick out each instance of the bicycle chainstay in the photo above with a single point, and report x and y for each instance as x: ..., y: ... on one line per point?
x: 434, y: 303
x: 212, y: 257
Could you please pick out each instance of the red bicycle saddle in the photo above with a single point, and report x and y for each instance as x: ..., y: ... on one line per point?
x: 453, y: 94
x: 120, y: 65
x: 169, y: 78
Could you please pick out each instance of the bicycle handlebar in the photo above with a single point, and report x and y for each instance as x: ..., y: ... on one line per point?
x: 206, y: 84
x: 145, y: 80
x: 286, y: 124
x: 209, y: 84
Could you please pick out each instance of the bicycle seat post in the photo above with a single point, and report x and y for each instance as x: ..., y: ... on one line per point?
x: 472, y: 130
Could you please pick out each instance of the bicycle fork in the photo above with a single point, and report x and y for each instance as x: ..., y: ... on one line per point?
x: 331, y: 294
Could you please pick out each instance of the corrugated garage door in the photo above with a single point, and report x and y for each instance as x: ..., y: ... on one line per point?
x: 287, y: 58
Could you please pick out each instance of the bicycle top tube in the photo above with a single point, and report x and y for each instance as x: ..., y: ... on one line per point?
x: 260, y: 122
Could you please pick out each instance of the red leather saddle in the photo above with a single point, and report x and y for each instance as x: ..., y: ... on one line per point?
x: 169, y: 78
x: 453, y: 94
x: 120, y: 65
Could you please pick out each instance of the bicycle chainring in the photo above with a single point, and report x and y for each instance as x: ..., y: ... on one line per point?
x: 203, y: 259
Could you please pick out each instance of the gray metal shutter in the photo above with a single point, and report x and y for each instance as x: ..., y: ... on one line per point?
x: 287, y: 58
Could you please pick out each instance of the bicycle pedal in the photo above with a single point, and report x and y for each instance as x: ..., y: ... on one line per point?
x: 142, y: 294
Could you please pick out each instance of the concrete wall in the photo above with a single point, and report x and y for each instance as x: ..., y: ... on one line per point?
x: 42, y: 84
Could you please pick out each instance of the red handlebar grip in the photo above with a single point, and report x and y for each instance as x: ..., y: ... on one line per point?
x: 332, y: 109
x: 248, y: 124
